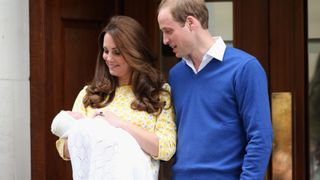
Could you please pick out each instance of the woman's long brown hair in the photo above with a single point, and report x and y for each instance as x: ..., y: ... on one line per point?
x: 146, y: 81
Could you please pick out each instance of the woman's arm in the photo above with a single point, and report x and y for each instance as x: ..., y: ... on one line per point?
x: 62, y: 148
x: 161, y: 144
x: 62, y: 144
x: 148, y: 141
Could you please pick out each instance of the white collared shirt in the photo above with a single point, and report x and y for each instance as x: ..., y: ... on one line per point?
x: 216, y: 51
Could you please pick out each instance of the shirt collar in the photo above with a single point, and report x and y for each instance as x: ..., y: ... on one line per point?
x: 216, y: 51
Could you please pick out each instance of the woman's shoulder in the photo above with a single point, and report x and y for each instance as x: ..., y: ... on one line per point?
x: 83, y: 90
x: 167, y: 87
x: 166, y: 96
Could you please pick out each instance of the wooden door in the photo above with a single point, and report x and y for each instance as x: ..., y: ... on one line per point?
x: 63, y: 41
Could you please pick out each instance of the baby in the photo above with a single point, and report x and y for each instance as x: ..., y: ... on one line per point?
x: 63, y: 122
x: 100, y: 151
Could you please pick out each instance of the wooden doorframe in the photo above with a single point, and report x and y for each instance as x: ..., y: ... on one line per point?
x: 288, y: 71
x: 38, y: 90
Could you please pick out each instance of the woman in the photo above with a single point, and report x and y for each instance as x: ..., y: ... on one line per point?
x: 129, y: 92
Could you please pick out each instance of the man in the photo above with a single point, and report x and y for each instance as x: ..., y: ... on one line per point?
x: 220, y: 97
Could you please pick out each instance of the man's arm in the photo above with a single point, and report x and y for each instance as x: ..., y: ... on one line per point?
x: 253, y: 101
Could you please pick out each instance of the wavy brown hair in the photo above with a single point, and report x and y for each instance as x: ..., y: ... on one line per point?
x: 146, y: 81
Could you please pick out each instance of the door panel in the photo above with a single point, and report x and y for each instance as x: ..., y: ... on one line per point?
x: 251, y: 29
x: 79, y: 59
x: 145, y: 12
x: 287, y: 71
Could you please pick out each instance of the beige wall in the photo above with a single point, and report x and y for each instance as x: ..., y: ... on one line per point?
x: 14, y: 90
x: 221, y: 19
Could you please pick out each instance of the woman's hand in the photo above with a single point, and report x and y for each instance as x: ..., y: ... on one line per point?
x: 97, y: 113
x: 113, y: 119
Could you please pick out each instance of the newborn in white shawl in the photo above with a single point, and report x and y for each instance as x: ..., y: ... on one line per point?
x: 99, y: 151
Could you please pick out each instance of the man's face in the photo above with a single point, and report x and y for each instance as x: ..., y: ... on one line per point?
x: 174, y: 35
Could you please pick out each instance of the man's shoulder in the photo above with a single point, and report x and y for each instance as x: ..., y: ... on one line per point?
x: 178, y: 66
x: 178, y: 71
x: 238, y: 53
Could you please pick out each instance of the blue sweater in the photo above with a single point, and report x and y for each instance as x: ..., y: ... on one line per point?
x: 223, y: 119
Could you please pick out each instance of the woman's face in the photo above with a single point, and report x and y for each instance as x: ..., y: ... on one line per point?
x: 115, y: 61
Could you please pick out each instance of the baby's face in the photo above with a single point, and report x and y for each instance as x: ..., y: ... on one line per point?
x: 75, y: 115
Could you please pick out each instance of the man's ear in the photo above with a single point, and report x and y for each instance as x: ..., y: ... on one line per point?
x: 190, y: 22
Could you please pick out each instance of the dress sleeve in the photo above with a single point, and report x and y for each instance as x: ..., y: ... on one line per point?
x: 60, y: 145
x: 165, y: 129
x: 77, y: 107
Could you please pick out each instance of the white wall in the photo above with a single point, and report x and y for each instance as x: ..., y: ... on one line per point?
x: 313, y: 19
x: 221, y: 19
x: 14, y: 91
x: 313, y: 34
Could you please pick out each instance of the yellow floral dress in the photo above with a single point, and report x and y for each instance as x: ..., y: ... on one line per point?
x: 162, y: 124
